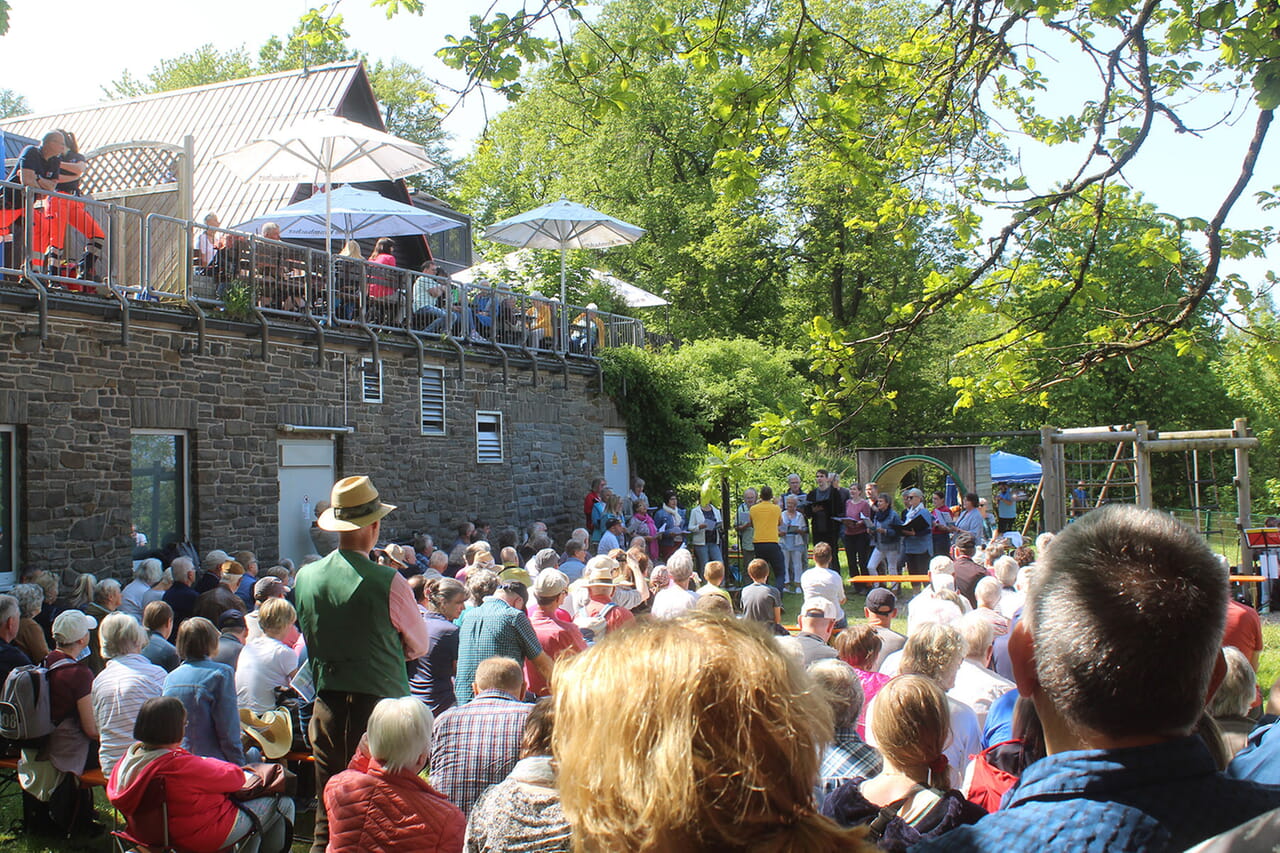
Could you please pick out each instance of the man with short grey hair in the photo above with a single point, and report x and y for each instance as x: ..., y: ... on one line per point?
x: 847, y: 757
x: 181, y: 596
x: 10, y: 655
x: 1118, y: 648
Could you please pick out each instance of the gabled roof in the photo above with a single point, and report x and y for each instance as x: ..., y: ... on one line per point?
x: 220, y: 117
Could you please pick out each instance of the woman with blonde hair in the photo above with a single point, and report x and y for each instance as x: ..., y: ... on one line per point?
x: 692, y: 734
x: 911, y: 799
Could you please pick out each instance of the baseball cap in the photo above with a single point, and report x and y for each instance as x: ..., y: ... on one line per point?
x: 231, y: 619
x: 821, y: 607
x: 881, y: 601
x: 268, y: 587
x: 71, y: 625
x: 550, y: 582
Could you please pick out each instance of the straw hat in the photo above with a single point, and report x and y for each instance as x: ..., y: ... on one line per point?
x: 395, y: 553
x: 354, y: 504
x: 273, y: 731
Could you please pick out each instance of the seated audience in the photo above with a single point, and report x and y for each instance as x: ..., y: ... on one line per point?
x: 145, y: 575
x: 214, y: 602
x: 880, y: 608
x: 821, y: 582
x: 976, y: 685
x: 523, y: 812
x: 234, y: 634
x: 1119, y: 589
x: 912, y: 798
x: 207, y: 690
x: 202, y: 816
x: 676, y: 598
x: 267, y: 664
x: 431, y: 676
x: 1231, y: 703
x: 936, y: 652
x: 734, y: 726
x: 987, y: 592
x: 560, y: 639
x: 70, y: 748
x: 30, y: 637
x: 847, y: 756
x: 181, y: 596
x: 601, y: 613
x: 127, y: 681
x: 760, y: 601
x: 859, y: 646
x: 106, y: 600
x: 713, y: 574
x: 817, y: 621
x: 157, y: 618
x: 380, y: 803
x: 476, y: 745
x: 996, y: 769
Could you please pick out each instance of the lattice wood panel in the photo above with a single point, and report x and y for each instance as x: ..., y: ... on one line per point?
x: 130, y: 168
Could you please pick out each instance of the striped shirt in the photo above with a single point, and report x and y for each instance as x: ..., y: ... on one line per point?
x: 118, y: 694
x: 494, y: 629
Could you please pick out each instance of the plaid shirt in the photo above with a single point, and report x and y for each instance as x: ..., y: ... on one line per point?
x: 494, y: 629
x: 1163, y: 797
x: 845, y: 759
x: 476, y: 746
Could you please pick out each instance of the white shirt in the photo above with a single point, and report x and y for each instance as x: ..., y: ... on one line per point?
x: 264, y: 665
x: 822, y: 582
x: 672, y: 601
x: 1010, y: 601
x: 978, y: 687
x: 118, y: 693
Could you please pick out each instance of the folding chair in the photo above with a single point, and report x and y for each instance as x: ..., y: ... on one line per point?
x: 147, y: 829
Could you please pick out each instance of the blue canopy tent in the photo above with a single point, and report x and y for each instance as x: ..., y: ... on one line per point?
x: 1012, y: 468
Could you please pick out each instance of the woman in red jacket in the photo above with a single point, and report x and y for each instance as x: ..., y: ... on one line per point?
x: 202, y: 817
x: 380, y: 802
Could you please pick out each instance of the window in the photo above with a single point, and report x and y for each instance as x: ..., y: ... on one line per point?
x: 371, y: 380
x: 432, y: 389
x: 488, y: 437
x: 160, y: 498
x: 9, y: 532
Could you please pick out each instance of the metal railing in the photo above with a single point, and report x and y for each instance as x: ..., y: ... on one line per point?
x: 76, y: 245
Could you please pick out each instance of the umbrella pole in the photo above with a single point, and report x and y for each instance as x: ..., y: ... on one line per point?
x: 328, y: 238
x: 564, y: 305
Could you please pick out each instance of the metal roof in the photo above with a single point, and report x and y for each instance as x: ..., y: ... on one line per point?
x: 220, y: 117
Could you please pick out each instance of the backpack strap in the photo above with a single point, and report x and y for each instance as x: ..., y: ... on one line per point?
x: 877, y: 827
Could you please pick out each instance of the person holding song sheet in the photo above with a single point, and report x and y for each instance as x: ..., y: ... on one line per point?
x: 917, y: 532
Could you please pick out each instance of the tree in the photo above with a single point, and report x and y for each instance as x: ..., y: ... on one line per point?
x: 931, y: 86
x: 206, y: 64
x: 12, y: 104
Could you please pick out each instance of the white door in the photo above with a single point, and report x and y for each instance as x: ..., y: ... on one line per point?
x: 306, y: 477
x: 616, y: 470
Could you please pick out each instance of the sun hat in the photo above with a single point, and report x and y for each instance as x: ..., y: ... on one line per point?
x: 273, y: 731
x: 353, y: 505
x: 395, y: 553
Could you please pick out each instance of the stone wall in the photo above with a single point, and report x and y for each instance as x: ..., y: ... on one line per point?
x: 77, y: 397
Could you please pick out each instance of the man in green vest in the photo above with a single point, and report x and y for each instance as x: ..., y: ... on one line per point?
x: 361, y: 624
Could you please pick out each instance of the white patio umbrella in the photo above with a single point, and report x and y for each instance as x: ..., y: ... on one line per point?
x: 326, y: 149
x: 353, y: 213
x: 563, y: 225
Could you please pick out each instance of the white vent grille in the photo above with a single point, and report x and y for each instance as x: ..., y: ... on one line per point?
x: 371, y: 380
x: 433, y: 401
x: 488, y: 437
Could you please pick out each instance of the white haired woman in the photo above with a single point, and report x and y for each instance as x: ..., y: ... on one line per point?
x: 145, y: 575
x: 30, y: 635
x: 380, y: 802
x: 125, y: 683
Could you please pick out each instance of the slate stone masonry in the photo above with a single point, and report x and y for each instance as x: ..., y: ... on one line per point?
x: 76, y: 399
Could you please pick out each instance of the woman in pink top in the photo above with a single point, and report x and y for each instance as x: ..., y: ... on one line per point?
x: 859, y: 646
x: 642, y: 524
x: 384, y: 296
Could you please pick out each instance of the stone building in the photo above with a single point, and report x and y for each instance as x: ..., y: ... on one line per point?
x: 228, y: 449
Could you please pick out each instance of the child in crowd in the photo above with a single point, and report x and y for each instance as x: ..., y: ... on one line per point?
x: 762, y: 602
x: 714, y: 574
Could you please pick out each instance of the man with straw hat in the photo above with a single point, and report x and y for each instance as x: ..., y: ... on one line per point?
x: 361, y: 624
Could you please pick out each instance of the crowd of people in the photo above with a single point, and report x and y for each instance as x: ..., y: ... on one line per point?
x: 637, y: 697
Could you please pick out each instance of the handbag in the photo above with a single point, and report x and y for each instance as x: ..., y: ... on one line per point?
x: 264, y: 780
